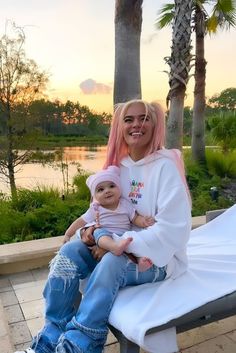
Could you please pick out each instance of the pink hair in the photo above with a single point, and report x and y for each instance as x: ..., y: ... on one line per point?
x: 117, y: 148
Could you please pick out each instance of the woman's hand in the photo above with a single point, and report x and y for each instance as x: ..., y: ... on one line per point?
x: 87, y: 236
x: 65, y: 240
x: 97, y: 252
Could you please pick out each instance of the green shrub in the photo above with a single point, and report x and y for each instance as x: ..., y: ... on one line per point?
x: 203, y: 203
x: 31, y: 199
x: 82, y: 190
x: 221, y: 164
x: 201, y: 178
x: 54, y: 219
x: 194, y: 172
x: 38, y: 214
x: 12, y: 223
x: 223, y: 129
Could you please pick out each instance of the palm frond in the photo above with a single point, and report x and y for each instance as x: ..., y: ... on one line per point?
x: 223, y: 15
x: 165, y: 16
x: 212, y: 24
x: 225, y: 6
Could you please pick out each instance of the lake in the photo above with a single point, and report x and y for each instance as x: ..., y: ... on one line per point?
x: 89, y: 158
x: 33, y: 175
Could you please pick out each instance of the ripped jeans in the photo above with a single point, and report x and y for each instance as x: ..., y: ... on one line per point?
x: 69, y: 329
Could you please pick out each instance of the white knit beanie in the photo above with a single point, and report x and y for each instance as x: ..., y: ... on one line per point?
x: 112, y: 173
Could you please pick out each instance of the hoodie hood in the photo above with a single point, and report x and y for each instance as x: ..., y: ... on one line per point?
x: 171, y: 154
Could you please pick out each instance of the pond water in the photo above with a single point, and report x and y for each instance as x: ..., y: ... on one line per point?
x: 33, y: 175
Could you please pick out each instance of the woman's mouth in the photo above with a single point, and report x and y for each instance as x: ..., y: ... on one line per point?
x: 139, y: 133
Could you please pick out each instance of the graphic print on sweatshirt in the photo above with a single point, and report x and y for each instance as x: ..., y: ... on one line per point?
x: 136, y: 191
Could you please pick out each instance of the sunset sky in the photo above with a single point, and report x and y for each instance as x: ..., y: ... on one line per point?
x: 73, y: 40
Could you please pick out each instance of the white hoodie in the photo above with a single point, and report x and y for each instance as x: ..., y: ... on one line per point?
x: 154, y: 186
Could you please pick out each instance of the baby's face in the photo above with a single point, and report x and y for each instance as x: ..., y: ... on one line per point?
x: 107, y: 194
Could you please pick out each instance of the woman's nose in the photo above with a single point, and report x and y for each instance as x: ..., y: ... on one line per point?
x: 136, y: 122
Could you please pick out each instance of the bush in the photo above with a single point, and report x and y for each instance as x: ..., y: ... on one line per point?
x: 194, y: 172
x: 82, y: 190
x: 201, y: 178
x: 203, y: 203
x: 31, y: 199
x: 223, y: 129
x: 221, y: 164
x: 38, y: 214
x: 12, y: 223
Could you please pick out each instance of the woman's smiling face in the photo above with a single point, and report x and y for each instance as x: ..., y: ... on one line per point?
x: 137, y: 130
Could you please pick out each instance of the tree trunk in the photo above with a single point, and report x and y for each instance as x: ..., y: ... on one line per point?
x: 179, y: 62
x: 174, y: 138
x: 128, y: 24
x: 198, y: 124
x: 10, y: 155
x: 11, y: 174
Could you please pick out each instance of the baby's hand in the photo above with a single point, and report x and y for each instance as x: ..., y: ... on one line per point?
x: 148, y: 221
x: 143, y: 221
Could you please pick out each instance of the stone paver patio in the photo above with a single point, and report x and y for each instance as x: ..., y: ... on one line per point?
x: 21, y: 316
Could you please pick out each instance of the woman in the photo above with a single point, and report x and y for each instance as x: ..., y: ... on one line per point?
x: 153, y: 179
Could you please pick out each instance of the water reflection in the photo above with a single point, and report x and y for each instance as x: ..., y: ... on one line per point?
x: 34, y: 175
x: 82, y: 154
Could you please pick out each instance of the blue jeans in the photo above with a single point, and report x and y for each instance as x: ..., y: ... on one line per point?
x: 69, y: 329
x: 100, y: 232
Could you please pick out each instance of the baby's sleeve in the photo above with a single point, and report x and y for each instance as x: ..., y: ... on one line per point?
x: 89, y: 215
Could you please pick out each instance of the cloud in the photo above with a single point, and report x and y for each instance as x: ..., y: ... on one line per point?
x: 90, y: 86
x: 150, y: 38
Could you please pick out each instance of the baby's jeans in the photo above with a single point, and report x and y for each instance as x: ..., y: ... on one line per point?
x: 69, y: 329
x: 100, y: 232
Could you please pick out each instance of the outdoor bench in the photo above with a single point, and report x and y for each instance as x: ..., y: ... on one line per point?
x: 216, y: 310
x: 213, y: 311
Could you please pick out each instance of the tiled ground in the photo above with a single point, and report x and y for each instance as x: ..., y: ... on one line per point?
x: 21, y: 297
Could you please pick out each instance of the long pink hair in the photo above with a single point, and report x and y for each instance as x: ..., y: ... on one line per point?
x: 117, y: 148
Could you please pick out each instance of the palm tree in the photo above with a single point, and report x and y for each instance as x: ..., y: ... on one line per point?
x: 179, y: 63
x: 128, y: 24
x: 198, y: 122
x: 223, y: 16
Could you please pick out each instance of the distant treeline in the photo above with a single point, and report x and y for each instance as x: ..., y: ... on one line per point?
x: 57, y: 118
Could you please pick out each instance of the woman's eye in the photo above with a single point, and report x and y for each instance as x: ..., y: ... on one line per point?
x: 112, y: 186
x: 100, y: 190
x: 127, y: 120
x: 145, y: 118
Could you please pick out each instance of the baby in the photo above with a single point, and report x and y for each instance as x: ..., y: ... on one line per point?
x: 110, y: 213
